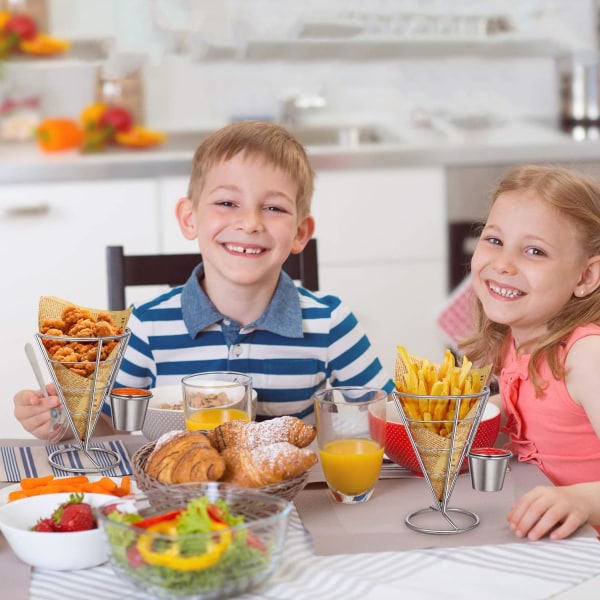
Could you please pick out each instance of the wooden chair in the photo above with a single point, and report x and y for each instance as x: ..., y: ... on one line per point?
x: 174, y: 269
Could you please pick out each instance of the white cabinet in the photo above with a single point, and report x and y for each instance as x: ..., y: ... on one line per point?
x: 382, y: 238
x: 52, y: 241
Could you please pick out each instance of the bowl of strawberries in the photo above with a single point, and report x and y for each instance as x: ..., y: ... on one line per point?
x: 55, y: 531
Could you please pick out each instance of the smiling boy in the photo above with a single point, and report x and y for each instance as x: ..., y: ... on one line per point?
x: 248, y: 205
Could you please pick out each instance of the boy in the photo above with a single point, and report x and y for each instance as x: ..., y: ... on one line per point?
x: 248, y: 205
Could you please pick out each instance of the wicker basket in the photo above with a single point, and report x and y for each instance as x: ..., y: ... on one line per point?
x: 164, y: 494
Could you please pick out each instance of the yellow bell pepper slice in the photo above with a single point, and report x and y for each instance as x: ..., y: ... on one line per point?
x: 172, y: 558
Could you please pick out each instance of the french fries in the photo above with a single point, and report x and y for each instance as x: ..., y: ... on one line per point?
x: 429, y: 381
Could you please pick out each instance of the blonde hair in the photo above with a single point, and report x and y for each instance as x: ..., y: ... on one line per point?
x: 269, y: 141
x: 577, y: 199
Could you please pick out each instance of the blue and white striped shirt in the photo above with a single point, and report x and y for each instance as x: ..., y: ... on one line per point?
x: 302, y: 341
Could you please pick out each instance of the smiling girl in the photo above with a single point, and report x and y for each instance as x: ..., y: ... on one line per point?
x: 536, y: 277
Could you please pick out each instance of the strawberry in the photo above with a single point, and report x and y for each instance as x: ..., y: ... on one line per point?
x: 74, y: 515
x: 45, y: 525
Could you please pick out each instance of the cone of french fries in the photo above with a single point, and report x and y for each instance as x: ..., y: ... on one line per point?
x: 83, y: 348
x: 442, y: 405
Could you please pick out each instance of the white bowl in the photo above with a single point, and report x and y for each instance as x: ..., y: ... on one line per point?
x: 162, y: 420
x: 54, y: 550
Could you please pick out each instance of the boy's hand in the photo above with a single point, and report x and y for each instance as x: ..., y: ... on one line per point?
x: 558, y: 511
x: 32, y: 410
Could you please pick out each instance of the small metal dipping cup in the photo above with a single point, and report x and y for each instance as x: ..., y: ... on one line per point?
x: 129, y: 406
x: 488, y: 468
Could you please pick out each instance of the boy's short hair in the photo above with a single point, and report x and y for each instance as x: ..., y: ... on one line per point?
x: 257, y: 139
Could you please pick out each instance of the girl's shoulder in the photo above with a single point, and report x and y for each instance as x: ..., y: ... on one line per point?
x: 590, y: 329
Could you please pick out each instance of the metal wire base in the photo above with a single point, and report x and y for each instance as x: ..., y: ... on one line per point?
x: 451, y: 528
x: 113, y: 457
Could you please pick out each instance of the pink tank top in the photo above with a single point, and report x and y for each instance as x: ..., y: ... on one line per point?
x: 550, y: 431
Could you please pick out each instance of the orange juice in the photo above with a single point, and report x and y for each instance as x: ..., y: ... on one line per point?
x: 351, y: 466
x: 213, y: 417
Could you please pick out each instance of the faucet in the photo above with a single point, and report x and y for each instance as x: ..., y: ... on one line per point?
x: 293, y: 107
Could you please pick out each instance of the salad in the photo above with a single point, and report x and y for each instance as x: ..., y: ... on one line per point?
x: 188, y: 551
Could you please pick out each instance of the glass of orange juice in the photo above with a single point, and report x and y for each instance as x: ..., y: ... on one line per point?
x: 350, y: 435
x: 213, y: 397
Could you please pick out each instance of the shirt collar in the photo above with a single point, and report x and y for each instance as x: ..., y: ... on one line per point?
x: 283, y: 315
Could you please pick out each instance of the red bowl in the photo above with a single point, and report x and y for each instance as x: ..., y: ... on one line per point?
x: 399, y: 449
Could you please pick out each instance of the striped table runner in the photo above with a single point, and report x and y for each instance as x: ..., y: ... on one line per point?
x: 17, y: 462
x: 536, y: 570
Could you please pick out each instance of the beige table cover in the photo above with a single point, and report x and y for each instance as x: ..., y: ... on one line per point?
x: 378, y: 525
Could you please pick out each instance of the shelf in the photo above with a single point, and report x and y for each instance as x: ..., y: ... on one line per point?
x: 500, y: 46
x: 81, y: 51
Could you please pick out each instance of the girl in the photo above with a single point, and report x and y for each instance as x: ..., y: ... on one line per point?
x: 536, y: 277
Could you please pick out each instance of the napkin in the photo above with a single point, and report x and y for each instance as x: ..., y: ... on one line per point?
x: 455, y: 318
x: 18, y: 462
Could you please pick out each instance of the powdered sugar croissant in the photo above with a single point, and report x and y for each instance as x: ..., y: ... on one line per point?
x: 264, y: 465
x: 237, y: 434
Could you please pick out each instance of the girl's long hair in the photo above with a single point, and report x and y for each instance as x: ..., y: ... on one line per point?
x: 577, y: 198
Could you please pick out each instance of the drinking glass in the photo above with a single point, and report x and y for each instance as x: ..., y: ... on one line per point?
x: 213, y: 397
x: 351, y: 425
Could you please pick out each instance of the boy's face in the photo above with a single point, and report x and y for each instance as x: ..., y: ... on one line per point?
x: 246, y: 220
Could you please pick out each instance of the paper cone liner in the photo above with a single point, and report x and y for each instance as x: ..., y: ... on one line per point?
x: 77, y: 389
x: 435, y: 450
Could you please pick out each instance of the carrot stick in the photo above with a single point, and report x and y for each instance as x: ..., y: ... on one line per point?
x: 32, y: 482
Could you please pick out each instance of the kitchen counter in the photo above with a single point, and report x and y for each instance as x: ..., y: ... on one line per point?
x: 507, y: 143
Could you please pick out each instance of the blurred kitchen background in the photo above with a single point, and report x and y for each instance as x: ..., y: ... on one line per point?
x: 208, y: 61
x: 410, y: 111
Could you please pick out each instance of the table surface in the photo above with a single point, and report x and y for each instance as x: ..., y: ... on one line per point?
x: 527, y: 570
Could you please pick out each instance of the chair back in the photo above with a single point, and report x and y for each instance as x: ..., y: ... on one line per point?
x: 125, y: 270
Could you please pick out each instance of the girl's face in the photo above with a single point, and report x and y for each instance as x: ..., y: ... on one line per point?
x: 246, y: 221
x: 527, y: 264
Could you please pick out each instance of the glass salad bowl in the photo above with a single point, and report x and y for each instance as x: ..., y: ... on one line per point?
x: 222, y: 543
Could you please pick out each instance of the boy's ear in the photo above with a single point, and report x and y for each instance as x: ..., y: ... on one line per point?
x: 185, y: 217
x: 590, y: 277
x: 305, y: 231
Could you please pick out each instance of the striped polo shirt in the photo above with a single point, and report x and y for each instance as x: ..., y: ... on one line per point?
x: 301, y: 342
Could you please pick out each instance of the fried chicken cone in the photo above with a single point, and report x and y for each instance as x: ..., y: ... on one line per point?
x: 83, y: 380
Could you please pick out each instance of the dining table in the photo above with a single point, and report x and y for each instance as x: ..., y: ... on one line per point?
x: 366, y: 551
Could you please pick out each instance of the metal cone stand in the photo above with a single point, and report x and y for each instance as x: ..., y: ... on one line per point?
x: 96, y: 389
x: 448, y: 455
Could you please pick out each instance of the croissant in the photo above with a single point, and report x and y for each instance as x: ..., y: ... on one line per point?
x: 264, y: 465
x: 235, y: 434
x: 184, y: 457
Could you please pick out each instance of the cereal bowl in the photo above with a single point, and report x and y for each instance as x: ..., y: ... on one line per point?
x: 240, y: 551
x: 399, y: 449
x: 55, y: 550
x: 165, y: 411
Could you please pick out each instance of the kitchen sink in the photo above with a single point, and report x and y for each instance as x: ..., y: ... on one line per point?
x: 308, y: 135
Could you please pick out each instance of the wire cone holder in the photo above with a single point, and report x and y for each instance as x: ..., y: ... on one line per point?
x: 83, y: 384
x: 441, y: 447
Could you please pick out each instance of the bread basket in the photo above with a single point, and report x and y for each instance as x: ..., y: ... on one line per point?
x: 163, y: 493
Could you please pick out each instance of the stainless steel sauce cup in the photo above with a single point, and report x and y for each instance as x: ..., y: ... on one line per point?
x: 488, y: 467
x: 129, y: 406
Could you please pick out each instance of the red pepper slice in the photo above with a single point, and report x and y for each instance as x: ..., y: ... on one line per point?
x: 253, y: 541
x: 216, y: 514
x: 168, y: 516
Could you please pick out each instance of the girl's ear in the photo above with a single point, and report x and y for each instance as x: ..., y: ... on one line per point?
x: 186, y: 218
x: 590, y: 278
x: 305, y: 231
